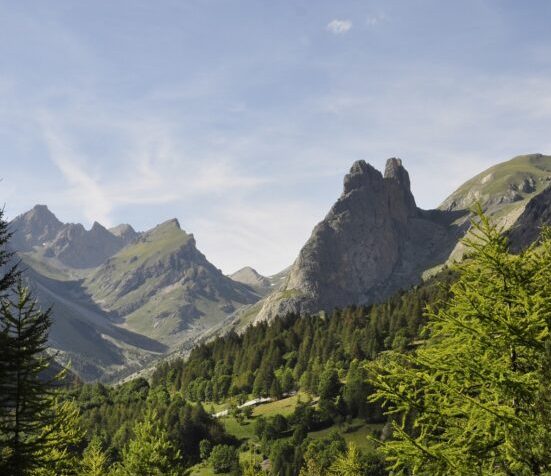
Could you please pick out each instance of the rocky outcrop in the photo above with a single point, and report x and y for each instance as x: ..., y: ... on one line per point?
x: 372, y: 242
x: 528, y: 226
x: 125, y: 232
x: 77, y: 247
x: 34, y: 228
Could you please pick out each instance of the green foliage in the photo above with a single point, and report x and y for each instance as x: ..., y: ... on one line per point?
x: 292, y: 352
x: 330, y: 386
x: 224, y: 458
x: 324, y: 452
x: 37, y: 431
x: 205, y: 449
x: 150, y: 452
x: 8, y: 264
x: 94, y: 460
x: 348, y: 464
x: 475, y: 396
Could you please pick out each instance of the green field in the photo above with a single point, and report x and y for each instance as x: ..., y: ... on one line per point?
x: 357, y: 432
x: 284, y: 407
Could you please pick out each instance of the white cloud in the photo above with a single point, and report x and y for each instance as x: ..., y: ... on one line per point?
x: 339, y: 27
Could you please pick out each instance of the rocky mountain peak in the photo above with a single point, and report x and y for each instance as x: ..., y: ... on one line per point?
x: 125, y: 232
x: 251, y: 277
x: 373, y: 241
x: 361, y: 175
x: 98, y: 227
x: 34, y: 227
x: 394, y: 170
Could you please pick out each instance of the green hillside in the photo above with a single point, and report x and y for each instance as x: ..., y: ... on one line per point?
x: 504, y: 184
x: 163, y: 287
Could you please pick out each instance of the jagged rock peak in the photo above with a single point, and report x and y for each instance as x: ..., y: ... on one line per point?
x: 396, y: 171
x: 97, y: 227
x: 361, y: 175
x: 122, y: 229
x: 42, y: 213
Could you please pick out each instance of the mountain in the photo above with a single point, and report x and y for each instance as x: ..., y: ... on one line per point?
x: 536, y: 215
x: 125, y: 232
x: 122, y: 299
x: 39, y: 233
x: 163, y: 287
x: 504, y: 191
x: 34, y: 228
x: 504, y: 186
x: 252, y: 278
x: 375, y: 240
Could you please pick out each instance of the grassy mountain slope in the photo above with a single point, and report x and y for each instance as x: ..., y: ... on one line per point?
x: 504, y: 186
x: 503, y: 191
x: 85, y: 335
x: 163, y: 287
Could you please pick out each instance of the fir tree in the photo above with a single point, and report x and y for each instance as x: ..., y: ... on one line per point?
x: 8, y: 264
x: 150, y: 452
x: 348, y: 464
x: 34, y: 427
x: 94, y: 460
x: 475, y: 398
x: 8, y: 276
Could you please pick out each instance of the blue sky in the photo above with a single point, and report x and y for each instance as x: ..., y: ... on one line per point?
x: 240, y: 118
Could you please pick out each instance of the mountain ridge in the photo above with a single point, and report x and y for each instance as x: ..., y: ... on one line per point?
x: 123, y: 299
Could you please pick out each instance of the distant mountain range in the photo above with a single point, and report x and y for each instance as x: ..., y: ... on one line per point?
x: 120, y: 298
x: 123, y: 299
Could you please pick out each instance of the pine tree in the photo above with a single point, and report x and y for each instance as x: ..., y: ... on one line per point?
x: 94, y: 460
x: 150, y: 452
x: 34, y: 428
x: 475, y: 398
x: 8, y: 263
x: 348, y: 464
x: 8, y: 276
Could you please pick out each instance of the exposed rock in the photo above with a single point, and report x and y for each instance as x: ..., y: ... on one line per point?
x: 125, y: 232
x: 373, y: 242
x: 34, y: 228
x: 76, y: 247
x: 536, y: 215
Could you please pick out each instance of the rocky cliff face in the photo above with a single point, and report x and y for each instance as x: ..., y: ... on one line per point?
x: 77, y: 247
x: 372, y: 242
x: 536, y: 215
x: 375, y: 241
x: 34, y: 228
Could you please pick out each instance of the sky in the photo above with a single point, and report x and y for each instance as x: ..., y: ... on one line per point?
x: 240, y: 118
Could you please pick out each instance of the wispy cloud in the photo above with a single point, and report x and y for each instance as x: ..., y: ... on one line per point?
x: 339, y: 27
x: 84, y: 191
x: 375, y: 19
x: 149, y: 168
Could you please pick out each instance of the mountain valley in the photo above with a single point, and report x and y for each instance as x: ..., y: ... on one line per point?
x: 124, y: 299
